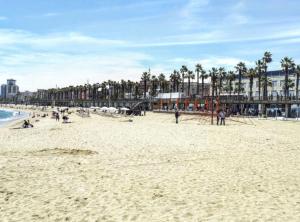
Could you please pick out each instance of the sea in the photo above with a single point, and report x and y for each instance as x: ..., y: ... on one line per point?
x: 8, y: 116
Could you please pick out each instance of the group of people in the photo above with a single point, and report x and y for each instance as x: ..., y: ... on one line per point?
x: 27, y: 124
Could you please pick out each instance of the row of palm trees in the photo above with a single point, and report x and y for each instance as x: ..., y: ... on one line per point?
x: 220, y: 79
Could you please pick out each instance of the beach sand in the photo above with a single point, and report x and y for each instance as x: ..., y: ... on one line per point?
x: 109, y: 169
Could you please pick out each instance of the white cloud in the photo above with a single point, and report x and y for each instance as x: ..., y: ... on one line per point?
x: 51, y: 14
x: 46, y: 70
x: 2, y: 18
x: 20, y: 37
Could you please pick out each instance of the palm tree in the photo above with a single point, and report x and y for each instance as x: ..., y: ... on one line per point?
x: 230, y: 79
x: 287, y: 64
x: 259, y: 71
x: 190, y: 75
x: 251, y: 74
x: 213, y: 75
x: 266, y: 60
x: 297, y: 81
x: 162, y: 82
x: 241, y: 70
x: 183, y: 71
x: 203, y: 76
x: 123, y: 88
x: 175, y: 78
x: 221, y: 76
x: 130, y: 85
x: 198, y: 71
x: 145, y: 78
x: 154, y: 83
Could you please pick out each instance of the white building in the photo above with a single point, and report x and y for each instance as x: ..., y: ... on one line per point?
x: 277, y: 78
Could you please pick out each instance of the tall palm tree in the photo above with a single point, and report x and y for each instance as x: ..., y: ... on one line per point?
x: 241, y: 70
x: 213, y: 75
x: 259, y: 72
x: 297, y: 81
x: 145, y: 78
x: 123, y: 88
x: 183, y: 71
x: 130, y: 85
x: 203, y: 76
x: 251, y: 74
x: 154, y: 85
x: 174, y: 79
x: 162, y: 82
x: 190, y: 75
x: 221, y: 76
x: 198, y: 71
x: 266, y: 60
x: 230, y: 79
x: 287, y: 64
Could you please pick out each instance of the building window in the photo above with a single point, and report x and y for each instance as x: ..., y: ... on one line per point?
x: 274, y: 83
x: 281, y: 82
x: 257, y: 84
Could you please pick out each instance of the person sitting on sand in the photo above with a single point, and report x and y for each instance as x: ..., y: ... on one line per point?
x: 27, y: 124
x: 65, y: 119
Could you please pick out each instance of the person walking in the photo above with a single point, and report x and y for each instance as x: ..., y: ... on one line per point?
x: 176, y: 116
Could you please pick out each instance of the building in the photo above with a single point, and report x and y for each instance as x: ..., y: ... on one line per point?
x: 277, y: 78
x: 9, y: 90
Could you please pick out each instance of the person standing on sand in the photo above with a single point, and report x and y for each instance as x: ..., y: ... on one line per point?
x: 222, y: 117
x: 176, y: 116
x: 57, y: 116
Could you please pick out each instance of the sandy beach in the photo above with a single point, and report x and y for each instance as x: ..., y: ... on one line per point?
x: 109, y: 169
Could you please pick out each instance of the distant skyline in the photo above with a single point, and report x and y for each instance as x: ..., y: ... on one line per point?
x: 69, y: 42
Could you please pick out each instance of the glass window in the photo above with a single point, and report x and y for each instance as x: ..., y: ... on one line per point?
x: 257, y: 84
x: 274, y: 83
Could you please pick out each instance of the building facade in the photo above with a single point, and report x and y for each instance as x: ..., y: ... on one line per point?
x: 277, y: 78
x: 9, y: 90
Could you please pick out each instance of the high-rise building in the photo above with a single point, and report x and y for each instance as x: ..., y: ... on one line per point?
x: 10, y: 89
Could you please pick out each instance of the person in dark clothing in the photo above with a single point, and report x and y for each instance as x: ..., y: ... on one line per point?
x: 176, y: 116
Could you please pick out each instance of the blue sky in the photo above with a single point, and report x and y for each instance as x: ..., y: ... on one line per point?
x: 67, y: 42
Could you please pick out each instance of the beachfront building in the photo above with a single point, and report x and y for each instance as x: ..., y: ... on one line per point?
x: 9, y: 90
x: 275, y: 88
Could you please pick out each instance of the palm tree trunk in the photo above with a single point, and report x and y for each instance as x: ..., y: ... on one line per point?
x: 251, y: 88
x: 189, y: 86
x: 202, y: 82
x: 297, y: 86
x: 198, y: 83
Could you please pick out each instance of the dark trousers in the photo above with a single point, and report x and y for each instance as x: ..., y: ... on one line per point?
x: 176, y: 120
x: 222, y: 121
x: 218, y: 119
